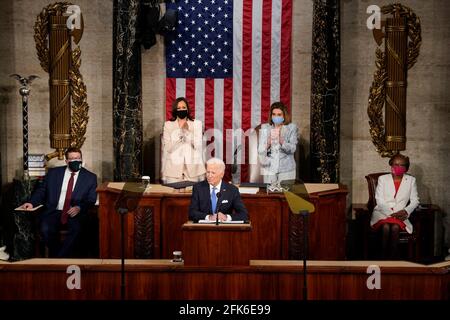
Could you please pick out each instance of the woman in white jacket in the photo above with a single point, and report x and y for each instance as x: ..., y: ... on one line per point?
x: 396, y: 197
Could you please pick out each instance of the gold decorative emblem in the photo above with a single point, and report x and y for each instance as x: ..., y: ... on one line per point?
x: 402, y: 38
x: 62, y: 62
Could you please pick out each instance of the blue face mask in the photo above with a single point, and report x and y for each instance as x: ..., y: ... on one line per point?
x: 277, y: 120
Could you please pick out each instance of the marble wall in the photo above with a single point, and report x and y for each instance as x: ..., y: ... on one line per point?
x: 428, y: 103
x: 428, y: 95
x: 18, y: 52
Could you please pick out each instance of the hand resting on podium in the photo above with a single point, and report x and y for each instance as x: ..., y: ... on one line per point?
x: 222, y: 217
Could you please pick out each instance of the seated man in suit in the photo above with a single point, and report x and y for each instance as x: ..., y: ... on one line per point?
x: 214, y: 197
x: 67, y: 192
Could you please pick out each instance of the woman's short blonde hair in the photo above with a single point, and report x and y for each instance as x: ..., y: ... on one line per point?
x: 280, y: 105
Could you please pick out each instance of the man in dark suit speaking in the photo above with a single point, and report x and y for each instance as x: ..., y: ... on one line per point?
x: 214, y: 198
x: 67, y: 193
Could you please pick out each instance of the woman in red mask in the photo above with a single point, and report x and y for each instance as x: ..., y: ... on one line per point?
x: 396, y: 197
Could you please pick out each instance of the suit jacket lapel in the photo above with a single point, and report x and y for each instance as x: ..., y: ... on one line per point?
x: 391, y: 187
x: 205, y: 185
x: 223, y: 192
x: 78, y: 184
x: 59, y: 181
x: 403, y: 186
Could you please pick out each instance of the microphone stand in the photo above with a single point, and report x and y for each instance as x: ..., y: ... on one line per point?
x: 126, y: 202
x: 122, y: 212
x: 234, y: 166
x: 217, y: 208
x: 304, y: 214
x: 298, y: 205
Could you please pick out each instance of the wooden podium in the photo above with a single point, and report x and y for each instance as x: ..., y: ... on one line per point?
x: 216, y: 245
x: 153, y: 230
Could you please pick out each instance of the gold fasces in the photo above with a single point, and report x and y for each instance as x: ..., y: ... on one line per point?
x: 414, y: 29
x: 58, y: 153
x: 402, y: 40
x: 396, y: 65
x: 401, y: 139
x: 390, y: 84
x: 62, y: 62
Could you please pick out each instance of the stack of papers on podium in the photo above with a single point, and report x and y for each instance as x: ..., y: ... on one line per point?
x: 248, y: 190
x: 180, y: 185
x: 221, y: 222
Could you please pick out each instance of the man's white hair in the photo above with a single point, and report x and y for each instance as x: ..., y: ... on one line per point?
x: 217, y: 161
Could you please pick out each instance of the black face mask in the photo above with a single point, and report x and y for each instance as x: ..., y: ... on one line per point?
x: 182, y: 114
x: 75, y: 165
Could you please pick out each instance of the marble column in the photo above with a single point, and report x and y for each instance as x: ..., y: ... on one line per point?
x: 325, y: 92
x: 127, y: 91
x: 26, y: 223
x: 2, y: 214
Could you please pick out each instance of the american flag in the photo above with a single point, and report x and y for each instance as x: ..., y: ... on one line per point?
x: 231, y: 60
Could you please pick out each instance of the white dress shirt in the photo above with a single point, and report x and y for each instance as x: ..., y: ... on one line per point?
x: 218, y: 200
x: 62, y: 196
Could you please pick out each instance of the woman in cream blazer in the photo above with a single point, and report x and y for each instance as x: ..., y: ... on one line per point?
x: 182, y: 146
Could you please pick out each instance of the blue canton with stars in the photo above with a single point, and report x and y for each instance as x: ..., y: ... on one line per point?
x: 202, y: 45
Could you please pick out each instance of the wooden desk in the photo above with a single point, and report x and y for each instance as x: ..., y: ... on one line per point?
x: 153, y: 230
x: 45, y: 279
x: 216, y: 245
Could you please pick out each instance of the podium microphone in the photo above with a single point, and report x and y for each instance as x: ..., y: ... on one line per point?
x: 217, y: 208
x: 234, y: 166
x: 122, y: 211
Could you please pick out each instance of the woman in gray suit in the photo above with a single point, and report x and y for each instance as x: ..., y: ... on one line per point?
x: 277, y: 145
